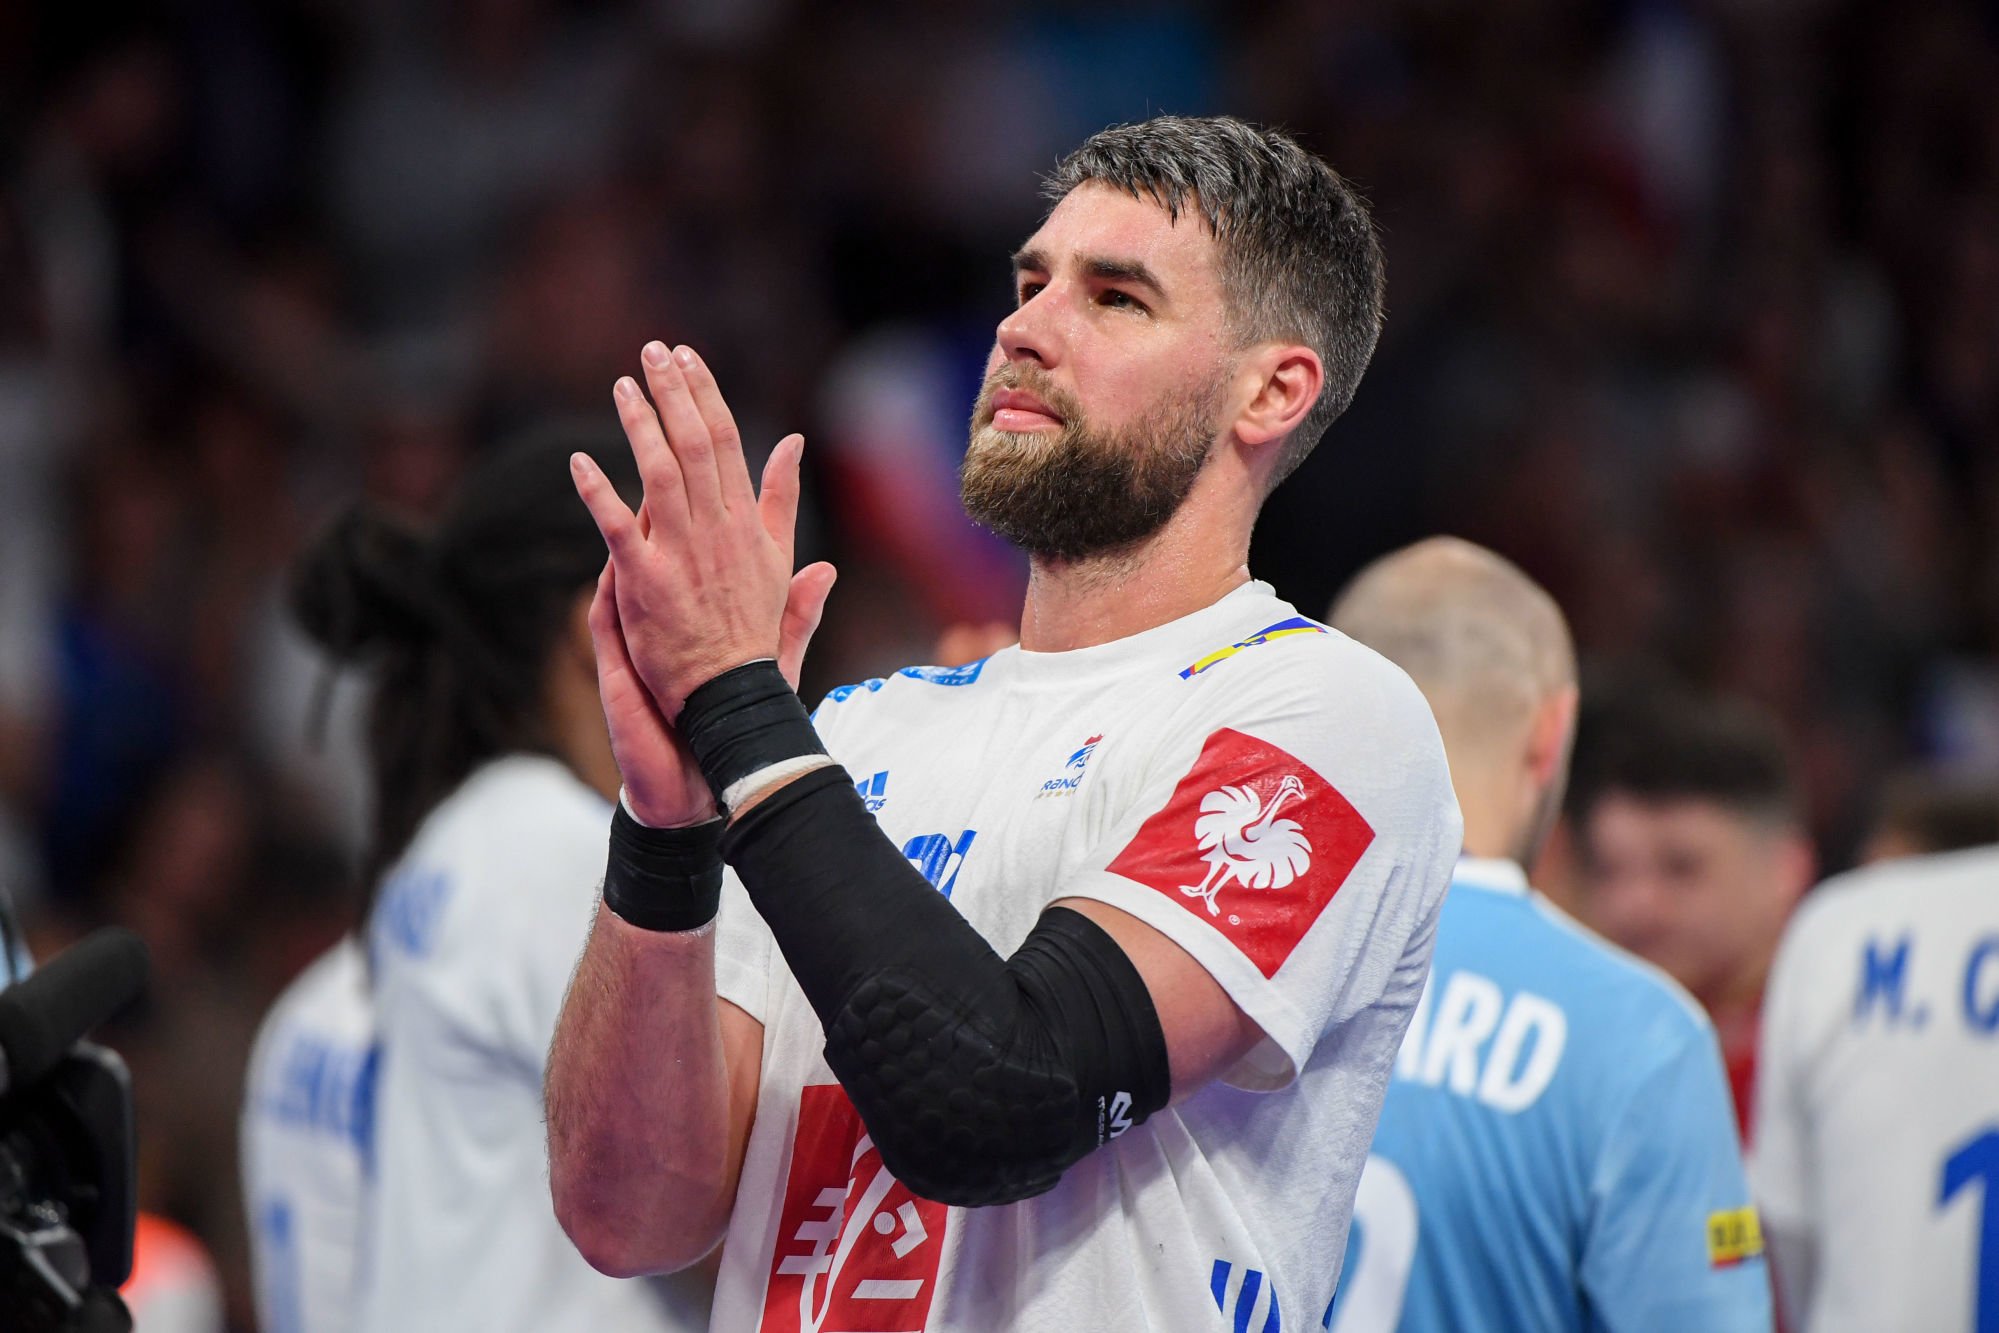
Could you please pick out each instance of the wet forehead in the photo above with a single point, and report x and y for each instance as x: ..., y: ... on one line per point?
x: 1098, y: 222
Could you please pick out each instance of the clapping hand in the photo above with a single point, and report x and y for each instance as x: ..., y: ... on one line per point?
x: 699, y: 580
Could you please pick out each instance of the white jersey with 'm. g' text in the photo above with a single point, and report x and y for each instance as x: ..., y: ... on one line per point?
x: 472, y: 940
x: 1877, y: 1109
x: 1264, y: 791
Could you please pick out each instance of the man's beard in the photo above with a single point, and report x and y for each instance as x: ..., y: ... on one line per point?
x: 1083, y: 493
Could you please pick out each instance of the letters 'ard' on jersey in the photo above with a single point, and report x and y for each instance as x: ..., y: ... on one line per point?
x: 1252, y: 841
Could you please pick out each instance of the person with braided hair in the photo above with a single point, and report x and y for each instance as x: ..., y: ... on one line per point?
x: 394, y: 1159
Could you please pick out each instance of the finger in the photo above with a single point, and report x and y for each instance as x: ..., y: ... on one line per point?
x: 659, y: 470
x: 803, y: 606
x: 618, y: 680
x: 615, y: 676
x: 686, y: 435
x: 604, y: 613
x: 777, y: 505
x: 727, y: 441
x: 614, y: 521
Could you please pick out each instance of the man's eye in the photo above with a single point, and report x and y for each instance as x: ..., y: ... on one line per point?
x: 1030, y: 290
x: 1118, y: 300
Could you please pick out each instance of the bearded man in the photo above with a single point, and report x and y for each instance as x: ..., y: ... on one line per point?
x: 1067, y: 996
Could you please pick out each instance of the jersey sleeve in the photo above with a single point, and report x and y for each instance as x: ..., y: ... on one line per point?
x: 1778, y: 1162
x: 743, y: 951
x: 1672, y: 1240
x: 1293, y: 830
x: 253, y: 1155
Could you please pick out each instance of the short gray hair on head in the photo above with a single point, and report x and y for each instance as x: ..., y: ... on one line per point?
x: 1299, y: 256
x: 1484, y: 642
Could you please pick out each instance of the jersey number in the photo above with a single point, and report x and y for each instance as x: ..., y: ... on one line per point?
x: 1979, y: 1160
x: 1369, y: 1299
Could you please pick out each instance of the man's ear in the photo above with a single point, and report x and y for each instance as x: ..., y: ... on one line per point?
x: 1549, y: 736
x: 1284, y: 382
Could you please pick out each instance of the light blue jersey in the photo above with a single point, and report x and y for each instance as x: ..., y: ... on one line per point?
x: 1557, y: 1150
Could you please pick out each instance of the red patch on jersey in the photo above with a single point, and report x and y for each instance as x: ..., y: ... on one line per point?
x: 1253, y: 842
x: 856, y: 1251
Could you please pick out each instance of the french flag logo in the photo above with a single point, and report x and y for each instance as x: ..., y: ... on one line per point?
x: 1245, y: 1298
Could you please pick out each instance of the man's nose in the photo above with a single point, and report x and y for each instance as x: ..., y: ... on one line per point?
x: 1031, y: 332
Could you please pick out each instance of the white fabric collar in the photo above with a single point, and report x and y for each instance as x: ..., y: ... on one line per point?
x: 1195, y: 633
x: 1492, y: 873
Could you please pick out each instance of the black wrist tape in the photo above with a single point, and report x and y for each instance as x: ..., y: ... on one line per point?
x: 981, y: 1079
x: 745, y: 719
x: 664, y: 878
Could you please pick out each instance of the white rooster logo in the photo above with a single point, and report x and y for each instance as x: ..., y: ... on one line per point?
x: 1243, y: 840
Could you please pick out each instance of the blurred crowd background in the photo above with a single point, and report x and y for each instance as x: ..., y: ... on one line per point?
x: 1693, y: 312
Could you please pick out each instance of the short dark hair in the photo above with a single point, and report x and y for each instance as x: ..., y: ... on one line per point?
x: 1660, y: 744
x: 1300, y: 258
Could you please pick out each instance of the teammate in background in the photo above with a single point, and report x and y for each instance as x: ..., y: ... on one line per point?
x: 1556, y: 1151
x: 1096, y: 954
x: 1876, y: 1162
x: 1920, y: 813
x: 1694, y: 851
x: 492, y: 783
x: 307, y: 1102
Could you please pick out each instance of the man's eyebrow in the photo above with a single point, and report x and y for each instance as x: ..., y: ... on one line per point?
x: 1101, y: 268
x: 1122, y: 270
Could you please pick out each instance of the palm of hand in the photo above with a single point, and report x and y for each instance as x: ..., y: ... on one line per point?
x: 698, y: 582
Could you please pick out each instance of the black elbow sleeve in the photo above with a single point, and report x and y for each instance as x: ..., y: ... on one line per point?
x: 991, y: 1101
x: 980, y: 1079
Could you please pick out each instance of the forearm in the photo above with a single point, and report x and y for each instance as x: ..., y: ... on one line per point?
x: 1058, y: 1048
x: 1035, y: 1059
x: 642, y: 1160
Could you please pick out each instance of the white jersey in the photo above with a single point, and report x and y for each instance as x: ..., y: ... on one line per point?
x: 1266, y: 792
x: 1877, y: 1109
x: 306, y: 1111
x: 472, y: 941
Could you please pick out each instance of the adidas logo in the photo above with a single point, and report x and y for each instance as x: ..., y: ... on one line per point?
x: 874, y: 791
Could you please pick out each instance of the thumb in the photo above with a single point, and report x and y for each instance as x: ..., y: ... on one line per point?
x: 803, y: 606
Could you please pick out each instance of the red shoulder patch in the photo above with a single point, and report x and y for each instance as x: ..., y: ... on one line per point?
x: 1253, y: 842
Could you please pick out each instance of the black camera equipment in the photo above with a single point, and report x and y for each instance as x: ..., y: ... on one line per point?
x: 67, y: 1188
